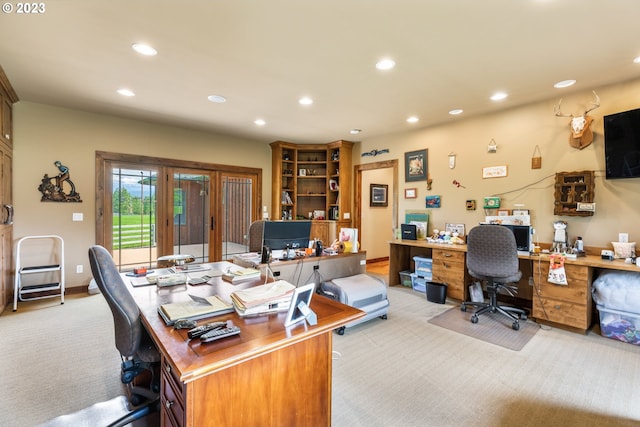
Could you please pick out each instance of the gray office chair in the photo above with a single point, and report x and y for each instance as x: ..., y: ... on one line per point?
x: 492, y: 256
x: 255, y: 236
x: 139, y: 354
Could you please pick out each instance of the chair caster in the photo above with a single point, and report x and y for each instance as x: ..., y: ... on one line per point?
x: 340, y: 330
x: 383, y: 317
x: 515, y: 326
x: 474, y: 319
x: 463, y: 307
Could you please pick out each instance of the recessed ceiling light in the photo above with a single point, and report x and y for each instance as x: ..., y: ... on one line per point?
x: 305, y: 100
x: 126, y: 92
x: 564, y: 83
x: 144, y: 49
x: 499, y: 96
x: 260, y: 122
x: 385, y: 64
x: 636, y: 60
x: 456, y: 111
x: 218, y: 99
x: 413, y: 119
x: 355, y: 131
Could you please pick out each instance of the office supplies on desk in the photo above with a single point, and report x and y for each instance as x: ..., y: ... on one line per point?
x: 194, y: 309
x: 240, y: 275
x: 268, y: 298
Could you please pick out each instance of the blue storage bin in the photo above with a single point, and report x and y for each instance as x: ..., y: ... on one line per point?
x: 418, y: 283
x: 423, y: 267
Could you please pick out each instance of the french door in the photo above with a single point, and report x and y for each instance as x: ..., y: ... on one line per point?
x: 149, y: 207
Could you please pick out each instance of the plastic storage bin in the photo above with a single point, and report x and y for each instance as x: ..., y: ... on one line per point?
x: 418, y: 283
x: 405, y: 278
x: 437, y: 292
x: 423, y: 267
x: 619, y: 325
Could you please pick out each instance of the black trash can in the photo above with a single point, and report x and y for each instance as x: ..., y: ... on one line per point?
x: 437, y: 292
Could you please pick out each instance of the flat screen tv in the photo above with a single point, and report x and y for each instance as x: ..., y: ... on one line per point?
x: 278, y: 235
x: 622, y: 144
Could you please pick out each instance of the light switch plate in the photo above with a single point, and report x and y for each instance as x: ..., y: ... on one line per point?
x: 78, y: 216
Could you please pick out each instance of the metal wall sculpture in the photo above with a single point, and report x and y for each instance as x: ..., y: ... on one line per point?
x: 53, y: 188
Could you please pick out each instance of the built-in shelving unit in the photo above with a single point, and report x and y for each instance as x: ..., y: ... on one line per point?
x: 312, y: 181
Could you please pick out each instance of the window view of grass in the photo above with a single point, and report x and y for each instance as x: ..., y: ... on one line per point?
x: 133, y: 220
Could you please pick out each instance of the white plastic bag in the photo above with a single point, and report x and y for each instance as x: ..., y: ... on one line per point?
x: 557, y: 274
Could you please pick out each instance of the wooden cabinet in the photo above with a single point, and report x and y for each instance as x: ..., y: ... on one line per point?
x: 449, y: 267
x: 311, y: 181
x: 569, y: 304
x: 572, y: 189
x: 172, y: 397
x: 7, y: 98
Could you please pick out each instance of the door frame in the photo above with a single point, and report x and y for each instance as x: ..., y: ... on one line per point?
x: 358, y: 190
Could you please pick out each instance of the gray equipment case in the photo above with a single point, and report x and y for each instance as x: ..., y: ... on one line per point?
x: 361, y: 291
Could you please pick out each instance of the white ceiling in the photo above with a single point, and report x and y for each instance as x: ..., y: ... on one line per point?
x: 262, y: 55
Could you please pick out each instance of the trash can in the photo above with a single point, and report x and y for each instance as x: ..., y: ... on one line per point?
x: 437, y: 292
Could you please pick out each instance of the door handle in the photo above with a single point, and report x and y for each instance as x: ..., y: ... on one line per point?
x: 9, y: 219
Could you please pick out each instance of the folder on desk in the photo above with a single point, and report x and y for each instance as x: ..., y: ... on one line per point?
x: 193, y: 310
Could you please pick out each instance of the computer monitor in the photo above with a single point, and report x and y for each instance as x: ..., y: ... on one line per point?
x: 278, y: 235
x: 522, y: 233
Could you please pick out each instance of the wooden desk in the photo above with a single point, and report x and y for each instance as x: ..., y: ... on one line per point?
x: 266, y: 376
x: 567, y: 306
x: 293, y: 271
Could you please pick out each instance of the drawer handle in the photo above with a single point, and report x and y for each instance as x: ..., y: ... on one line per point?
x: 168, y: 404
x: 446, y: 255
x: 557, y: 307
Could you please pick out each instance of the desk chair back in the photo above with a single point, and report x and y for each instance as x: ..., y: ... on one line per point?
x: 492, y: 253
x: 256, y: 230
x: 130, y: 336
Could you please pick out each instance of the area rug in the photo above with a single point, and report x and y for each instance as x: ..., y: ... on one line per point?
x: 494, y: 329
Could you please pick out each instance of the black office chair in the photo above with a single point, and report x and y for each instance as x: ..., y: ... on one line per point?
x: 256, y: 230
x: 492, y: 256
x: 139, y: 354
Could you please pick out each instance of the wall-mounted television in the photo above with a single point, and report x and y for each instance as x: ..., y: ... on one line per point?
x: 622, y: 144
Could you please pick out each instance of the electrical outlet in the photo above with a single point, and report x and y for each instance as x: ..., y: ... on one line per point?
x: 79, y: 268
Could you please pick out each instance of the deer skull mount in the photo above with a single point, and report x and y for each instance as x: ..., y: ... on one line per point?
x: 581, y: 135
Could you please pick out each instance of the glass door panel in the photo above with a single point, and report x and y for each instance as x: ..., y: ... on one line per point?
x: 191, y: 215
x: 237, y: 208
x: 133, y: 216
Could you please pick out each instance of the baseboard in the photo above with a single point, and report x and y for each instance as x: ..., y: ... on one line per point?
x: 371, y: 261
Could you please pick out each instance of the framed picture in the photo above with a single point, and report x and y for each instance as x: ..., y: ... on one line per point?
x: 301, y: 294
x: 455, y: 228
x: 432, y: 201
x: 415, y: 166
x: 302, y: 172
x: 494, y: 172
x: 410, y: 193
x: 520, y: 212
x: 504, y: 212
x: 378, y: 195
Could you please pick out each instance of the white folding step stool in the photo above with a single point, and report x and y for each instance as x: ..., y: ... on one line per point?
x: 42, y: 258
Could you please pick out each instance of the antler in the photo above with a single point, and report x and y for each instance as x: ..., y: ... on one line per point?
x: 558, y: 112
x: 595, y: 104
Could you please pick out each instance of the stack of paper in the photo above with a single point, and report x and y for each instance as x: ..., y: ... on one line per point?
x: 197, y: 308
x: 240, y: 275
x: 269, y: 298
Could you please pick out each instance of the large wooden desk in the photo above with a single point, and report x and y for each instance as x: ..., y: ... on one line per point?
x: 567, y: 306
x: 299, y: 271
x: 266, y: 376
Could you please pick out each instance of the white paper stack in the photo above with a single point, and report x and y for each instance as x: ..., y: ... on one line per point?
x: 268, y: 298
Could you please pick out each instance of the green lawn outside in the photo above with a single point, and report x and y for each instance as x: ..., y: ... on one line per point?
x: 133, y: 231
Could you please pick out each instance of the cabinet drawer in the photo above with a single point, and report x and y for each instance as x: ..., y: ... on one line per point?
x: 453, y: 275
x: 576, y: 290
x: 562, y: 312
x: 172, y: 407
x: 443, y: 255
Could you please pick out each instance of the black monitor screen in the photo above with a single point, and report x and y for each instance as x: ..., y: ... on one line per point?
x: 522, y: 234
x: 279, y: 235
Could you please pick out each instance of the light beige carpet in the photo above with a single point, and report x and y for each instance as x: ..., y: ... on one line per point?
x: 493, y: 328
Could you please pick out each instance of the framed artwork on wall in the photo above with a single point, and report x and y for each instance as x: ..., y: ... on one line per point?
x: 415, y: 166
x: 378, y: 195
x: 410, y: 193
